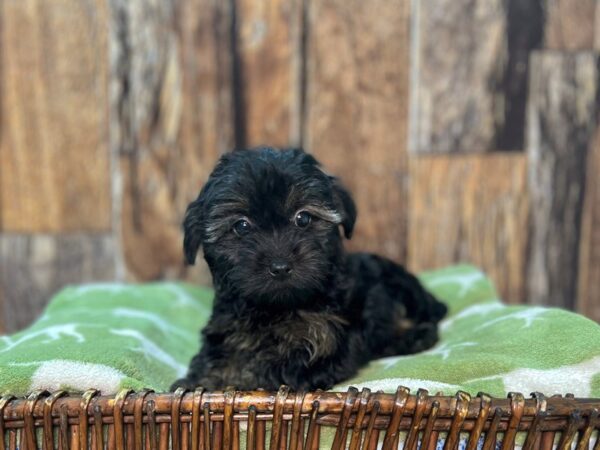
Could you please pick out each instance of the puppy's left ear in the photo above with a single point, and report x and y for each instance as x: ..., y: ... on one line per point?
x: 192, y: 230
x: 345, y: 205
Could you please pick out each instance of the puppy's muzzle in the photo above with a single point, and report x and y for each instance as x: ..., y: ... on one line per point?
x: 280, y: 268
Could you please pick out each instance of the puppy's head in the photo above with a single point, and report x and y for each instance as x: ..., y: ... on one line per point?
x: 269, y: 223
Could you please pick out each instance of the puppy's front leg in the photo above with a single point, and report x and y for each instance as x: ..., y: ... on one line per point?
x: 199, y: 374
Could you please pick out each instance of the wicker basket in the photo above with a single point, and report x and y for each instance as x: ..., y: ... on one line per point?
x: 284, y: 420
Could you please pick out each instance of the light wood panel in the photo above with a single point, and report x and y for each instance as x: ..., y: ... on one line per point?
x: 357, y: 107
x: 471, y: 209
x: 54, y: 97
x: 570, y: 24
x: 458, y: 51
x: 469, y: 65
x: 172, y: 122
x: 269, y: 45
x: 34, y: 267
x: 561, y: 125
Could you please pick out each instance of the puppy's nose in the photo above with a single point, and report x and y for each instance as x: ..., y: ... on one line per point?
x: 280, y: 268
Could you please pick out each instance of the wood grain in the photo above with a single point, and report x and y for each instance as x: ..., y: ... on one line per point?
x: 597, y: 27
x: 471, y: 209
x: 574, y: 26
x: 562, y: 123
x: 570, y: 25
x: 357, y: 107
x: 459, y: 49
x: 173, y: 116
x: 270, y: 53
x: 42, y: 264
x: 53, y: 116
x: 588, y: 294
x: 469, y: 73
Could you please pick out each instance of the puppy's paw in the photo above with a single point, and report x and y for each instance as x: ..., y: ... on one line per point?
x: 424, y: 336
x: 185, y: 383
x: 436, y: 310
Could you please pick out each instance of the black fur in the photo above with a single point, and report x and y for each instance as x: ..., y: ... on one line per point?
x: 316, y: 325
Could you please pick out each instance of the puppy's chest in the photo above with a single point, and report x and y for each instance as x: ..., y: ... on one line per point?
x: 308, y: 334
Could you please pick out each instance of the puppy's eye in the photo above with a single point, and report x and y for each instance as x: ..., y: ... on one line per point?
x: 242, y: 227
x: 302, y: 219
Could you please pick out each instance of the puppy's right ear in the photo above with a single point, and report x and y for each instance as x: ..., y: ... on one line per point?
x: 192, y: 229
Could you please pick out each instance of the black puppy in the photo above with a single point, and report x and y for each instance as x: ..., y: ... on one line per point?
x: 291, y: 307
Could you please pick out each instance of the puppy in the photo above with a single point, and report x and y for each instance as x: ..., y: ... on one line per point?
x: 291, y: 306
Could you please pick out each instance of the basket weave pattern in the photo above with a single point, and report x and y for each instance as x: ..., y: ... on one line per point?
x: 203, y: 420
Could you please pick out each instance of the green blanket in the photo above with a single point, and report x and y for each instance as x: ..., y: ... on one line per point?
x: 113, y: 336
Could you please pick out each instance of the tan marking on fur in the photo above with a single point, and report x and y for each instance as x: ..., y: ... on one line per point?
x: 315, y: 332
x: 291, y: 199
x: 321, y: 333
x: 322, y: 212
x: 403, y: 325
x: 228, y: 208
x: 222, y: 217
x: 243, y: 341
x: 216, y: 229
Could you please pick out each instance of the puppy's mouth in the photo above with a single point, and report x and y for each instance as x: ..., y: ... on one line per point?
x: 289, y: 289
x: 282, y: 288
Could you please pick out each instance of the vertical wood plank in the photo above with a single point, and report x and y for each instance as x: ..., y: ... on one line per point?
x: 588, y: 295
x: 3, y: 306
x: 471, y: 208
x: 172, y: 116
x: 357, y: 108
x: 570, y: 25
x: 469, y: 64
x: 574, y: 26
x: 269, y: 48
x: 524, y: 33
x: 34, y: 267
x: 53, y: 116
x: 562, y: 123
x: 597, y: 27
x: 458, y: 51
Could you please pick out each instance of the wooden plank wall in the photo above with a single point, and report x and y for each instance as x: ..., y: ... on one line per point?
x: 530, y: 218
x: 55, y: 193
x: 357, y: 109
x: 54, y: 157
x: 562, y: 125
x: 171, y: 117
x: 471, y: 208
x: 113, y: 112
x: 574, y: 31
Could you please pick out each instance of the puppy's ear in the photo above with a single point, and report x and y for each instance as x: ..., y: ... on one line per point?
x: 345, y: 205
x: 192, y: 230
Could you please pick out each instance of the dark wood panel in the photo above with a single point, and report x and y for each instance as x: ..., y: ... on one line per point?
x: 269, y: 48
x: 357, y: 106
x: 562, y: 122
x: 471, y: 209
x: 54, y: 97
x: 34, y: 267
x: 172, y: 116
